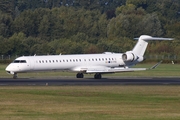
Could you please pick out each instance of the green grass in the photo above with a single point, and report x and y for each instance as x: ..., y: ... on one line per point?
x: 163, y: 70
x: 90, y: 103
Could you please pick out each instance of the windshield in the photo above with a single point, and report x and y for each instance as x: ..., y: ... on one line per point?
x: 19, y: 61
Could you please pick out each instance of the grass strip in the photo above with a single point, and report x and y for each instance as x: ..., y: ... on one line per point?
x: 90, y: 102
x: 163, y: 70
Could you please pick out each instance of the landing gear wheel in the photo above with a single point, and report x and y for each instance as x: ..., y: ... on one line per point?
x: 79, y: 75
x: 15, y: 76
x: 97, y: 76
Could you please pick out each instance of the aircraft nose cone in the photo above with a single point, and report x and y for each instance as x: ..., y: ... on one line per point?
x: 9, y: 69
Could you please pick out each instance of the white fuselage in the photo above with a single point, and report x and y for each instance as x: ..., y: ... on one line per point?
x: 77, y: 63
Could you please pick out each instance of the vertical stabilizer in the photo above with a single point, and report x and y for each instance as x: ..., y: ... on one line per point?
x: 142, y: 43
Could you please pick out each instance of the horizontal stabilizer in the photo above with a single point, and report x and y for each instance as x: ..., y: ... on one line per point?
x: 147, y: 38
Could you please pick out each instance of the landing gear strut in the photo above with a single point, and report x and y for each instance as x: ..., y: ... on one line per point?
x: 15, y: 76
x: 79, y: 75
x: 97, y: 76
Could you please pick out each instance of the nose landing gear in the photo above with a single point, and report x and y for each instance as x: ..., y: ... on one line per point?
x: 15, y: 76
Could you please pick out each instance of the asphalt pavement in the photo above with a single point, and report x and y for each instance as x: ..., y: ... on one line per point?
x: 88, y: 81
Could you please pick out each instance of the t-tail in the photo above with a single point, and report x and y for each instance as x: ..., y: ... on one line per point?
x: 136, y: 55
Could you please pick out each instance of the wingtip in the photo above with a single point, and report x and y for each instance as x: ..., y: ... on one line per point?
x: 156, y: 65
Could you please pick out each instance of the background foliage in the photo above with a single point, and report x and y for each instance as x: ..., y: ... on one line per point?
x: 29, y: 27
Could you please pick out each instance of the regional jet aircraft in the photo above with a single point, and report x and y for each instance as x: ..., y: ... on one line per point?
x: 96, y: 64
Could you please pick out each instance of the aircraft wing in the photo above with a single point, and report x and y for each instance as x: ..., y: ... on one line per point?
x: 102, y: 69
x: 118, y: 69
x: 114, y: 70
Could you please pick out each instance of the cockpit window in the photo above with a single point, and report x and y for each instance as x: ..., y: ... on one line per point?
x: 23, y: 61
x: 16, y: 61
x: 19, y: 61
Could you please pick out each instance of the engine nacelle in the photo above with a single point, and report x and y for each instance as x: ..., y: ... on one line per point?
x: 129, y: 56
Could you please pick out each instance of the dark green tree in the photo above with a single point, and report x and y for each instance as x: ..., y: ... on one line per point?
x: 126, y: 22
x: 16, y: 45
x: 151, y: 25
x: 7, y: 6
x: 5, y: 24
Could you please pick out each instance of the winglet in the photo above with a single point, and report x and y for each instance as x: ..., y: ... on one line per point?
x: 157, y: 64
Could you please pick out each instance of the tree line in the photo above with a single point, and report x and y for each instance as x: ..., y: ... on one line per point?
x: 29, y: 27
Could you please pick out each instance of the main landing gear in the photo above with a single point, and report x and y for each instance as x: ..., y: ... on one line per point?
x: 96, y: 76
x: 79, y: 75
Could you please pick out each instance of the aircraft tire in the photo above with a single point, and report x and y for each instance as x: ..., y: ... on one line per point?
x: 97, y: 76
x: 15, y: 76
x: 79, y: 75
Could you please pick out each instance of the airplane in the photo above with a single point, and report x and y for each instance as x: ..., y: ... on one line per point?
x: 97, y: 64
